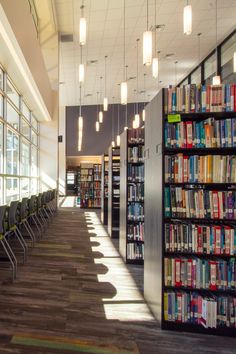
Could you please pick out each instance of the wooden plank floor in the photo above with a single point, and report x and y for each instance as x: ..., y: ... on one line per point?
x: 75, y: 295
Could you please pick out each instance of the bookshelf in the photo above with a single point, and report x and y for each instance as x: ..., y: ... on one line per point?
x: 190, y: 219
x: 199, y: 215
x: 104, y: 190
x: 113, y: 191
x: 90, y: 187
x: 131, y: 240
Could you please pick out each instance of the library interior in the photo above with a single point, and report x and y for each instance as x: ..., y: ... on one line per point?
x: 118, y: 176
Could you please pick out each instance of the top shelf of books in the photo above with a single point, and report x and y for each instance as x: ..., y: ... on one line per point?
x: 203, y: 99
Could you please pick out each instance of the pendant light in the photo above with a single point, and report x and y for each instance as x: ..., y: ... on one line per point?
x: 101, y: 112
x: 97, y: 126
x: 118, y: 126
x: 144, y: 93
x: 80, y: 124
x: 147, y: 45
x: 105, y: 99
x: 82, y: 26
x: 112, y: 122
x: 187, y: 19
x: 126, y: 107
x: 81, y: 67
x: 123, y: 86
x: 134, y: 121
x: 136, y: 117
x: 155, y: 59
x: 216, y: 79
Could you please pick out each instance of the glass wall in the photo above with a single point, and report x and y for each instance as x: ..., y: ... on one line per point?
x: 224, y: 62
x: 19, y: 150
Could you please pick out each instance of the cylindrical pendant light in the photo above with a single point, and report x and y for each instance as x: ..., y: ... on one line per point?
x: 100, y: 112
x: 118, y: 126
x: 147, y: 45
x: 105, y: 99
x: 216, y: 80
x: 123, y: 86
x: 82, y: 27
x: 136, y: 116
x: 80, y: 123
x: 137, y: 120
x: 97, y: 125
x: 81, y: 67
x: 188, y: 19
x: 112, y: 122
x: 155, y: 67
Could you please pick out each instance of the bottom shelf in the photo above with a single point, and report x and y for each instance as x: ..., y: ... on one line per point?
x: 190, y: 327
x: 135, y: 261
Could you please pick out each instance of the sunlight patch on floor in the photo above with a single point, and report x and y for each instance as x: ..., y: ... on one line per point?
x: 68, y: 202
x: 128, y: 303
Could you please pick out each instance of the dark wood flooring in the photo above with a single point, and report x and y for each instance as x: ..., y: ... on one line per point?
x: 75, y: 295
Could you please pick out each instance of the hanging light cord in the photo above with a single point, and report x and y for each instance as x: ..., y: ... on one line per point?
x: 113, y: 119
x: 97, y: 104
x: 100, y: 92
x: 124, y: 42
x: 147, y: 15
x: 118, y: 120
x: 80, y: 100
x: 126, y: 115
x: 216, y: 24
x: 155, y: 46
x: 137, y: 78
x: 105, y: 78
x: 144, y: 84
x: 199, y: 53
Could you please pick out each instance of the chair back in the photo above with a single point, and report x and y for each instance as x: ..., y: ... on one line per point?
x: 32, y: 204
x: 12, y: 214
x: 3, y: 210
x: 24, y: 208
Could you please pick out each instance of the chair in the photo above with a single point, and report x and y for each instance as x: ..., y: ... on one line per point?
x: 6, y: 247
x: 33, y: 215
x: 14, y: 230
x: 39, y: 208
x: 23, y: 220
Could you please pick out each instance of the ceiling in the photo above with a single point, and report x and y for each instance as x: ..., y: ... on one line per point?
x: 105, y: 37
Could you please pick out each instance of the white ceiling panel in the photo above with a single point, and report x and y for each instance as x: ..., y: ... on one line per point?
x: 105, y: 37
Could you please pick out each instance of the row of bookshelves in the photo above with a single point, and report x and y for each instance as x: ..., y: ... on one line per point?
x: 200, y: 168
x: 210, y: 133
x: 200, y: 98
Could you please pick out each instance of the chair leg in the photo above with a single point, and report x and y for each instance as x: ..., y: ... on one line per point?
x: 22, y: 245
x: 38, y: 229
x: 32, y: 238
x: 11, y: 256
x: 23, y: 241
x: 39, y: 223
x: 27, y: 224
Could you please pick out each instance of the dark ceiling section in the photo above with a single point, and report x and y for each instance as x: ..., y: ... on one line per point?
x: 94, y: 143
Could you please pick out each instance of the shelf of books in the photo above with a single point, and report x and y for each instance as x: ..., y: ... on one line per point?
x: 90, y: 186
x: 131, y: 243
x: 104, y: 190
x: 97, y: 171
x: 199, y: 209
x: 113, y: 191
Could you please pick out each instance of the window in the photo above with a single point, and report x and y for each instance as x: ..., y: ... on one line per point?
x: 13, y: 94
x: 12, y: 189
x: 227, y: 54
x: 1, y: 79
x: 1, y: 106
x: 196, y: 76
x: 34, y: 186
x: 1, y: 148
x: 25, y: 111
x: 34, y: 162
x: 25, y: 128
x: 34, y: 138
x: 12, y: 153
x: 25, y: 185
x: 25, y: 155
x: 12, y: 116
x: 34, y: 123
x: 210, y: 69
x: 1, y: 191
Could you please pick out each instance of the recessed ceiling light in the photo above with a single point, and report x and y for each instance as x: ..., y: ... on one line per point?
x: 158, y: 28
x: 62, y: 83
x: 88, y: 95
x: 92, y: 62
x: 169, y: 55
x: 132, y: 78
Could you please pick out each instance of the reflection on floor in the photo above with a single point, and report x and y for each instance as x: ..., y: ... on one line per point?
x: 76, y: 295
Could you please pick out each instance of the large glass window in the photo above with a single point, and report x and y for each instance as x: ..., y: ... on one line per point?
x: 12, y: 153
x: 25, y: 128
x: 34, y: 186
x: 25, y: 158
x: 196, y: 76
x: 227, y: 54
x: 25, y: 111
x: 34, y: 161
x: 34, y: 122
x: 1, y: 79
x: 210, y: 69
x: 12, y: 189
x: 1, y: 191
x: 13, y: 94
x: 25, y: 186
x: 1, y: 148
x: 1, y: 106
x: 34, y: 138
x: 12, y: 116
